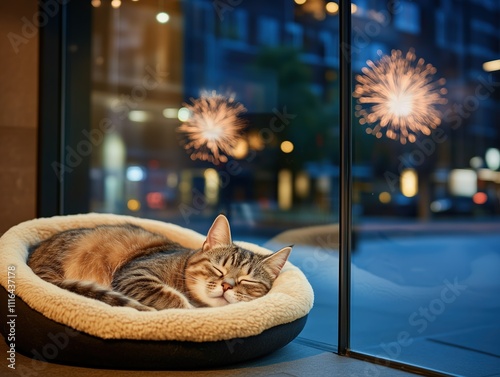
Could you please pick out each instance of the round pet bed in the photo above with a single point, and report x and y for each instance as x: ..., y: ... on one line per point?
x: 55, y: 325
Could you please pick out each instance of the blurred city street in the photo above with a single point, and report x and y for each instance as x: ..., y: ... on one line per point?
x: 419, y: 290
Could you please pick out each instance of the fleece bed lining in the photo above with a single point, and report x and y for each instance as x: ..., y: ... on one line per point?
x: 289, y: 300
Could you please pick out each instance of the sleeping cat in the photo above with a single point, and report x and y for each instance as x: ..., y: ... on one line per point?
x: 126, y: 265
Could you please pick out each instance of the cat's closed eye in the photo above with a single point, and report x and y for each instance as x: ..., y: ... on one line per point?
x: 218, y: 272
x: 250, y: 282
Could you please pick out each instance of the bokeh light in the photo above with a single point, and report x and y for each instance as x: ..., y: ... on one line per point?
x: 133, y: 205
x: 287, y: 146
x: 332, y: 7
x: 492, y: 158
x: 162, y: 17
x: 409, y: 183
x: 385, y: 197
x: 480, y: 198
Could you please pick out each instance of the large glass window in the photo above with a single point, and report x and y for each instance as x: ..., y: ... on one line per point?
x: 426, y: 256
x: 205, y: 107
x: 198, y: 107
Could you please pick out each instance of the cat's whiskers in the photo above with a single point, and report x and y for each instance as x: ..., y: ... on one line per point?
x: 243, y: 295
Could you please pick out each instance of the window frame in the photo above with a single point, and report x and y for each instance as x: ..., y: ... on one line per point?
x: 63, y: 156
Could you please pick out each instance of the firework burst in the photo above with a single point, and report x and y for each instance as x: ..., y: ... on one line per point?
x: 397, y: 93
x: 214, y: 127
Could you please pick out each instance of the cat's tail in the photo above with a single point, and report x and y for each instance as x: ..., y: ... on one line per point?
x: 98, y: 292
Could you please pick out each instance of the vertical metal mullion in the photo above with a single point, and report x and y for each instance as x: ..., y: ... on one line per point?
x: 62, y: 109
x: 76, y: 148
x: 345, y: 226
x: 49, y: 168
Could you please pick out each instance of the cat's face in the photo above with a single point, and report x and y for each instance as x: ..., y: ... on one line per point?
x: 229, y: 274
x: 222, y: 273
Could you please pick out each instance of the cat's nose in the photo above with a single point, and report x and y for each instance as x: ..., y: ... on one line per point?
x: 226, y: 286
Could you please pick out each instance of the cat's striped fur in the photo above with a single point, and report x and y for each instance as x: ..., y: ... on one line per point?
x: 126, y: 265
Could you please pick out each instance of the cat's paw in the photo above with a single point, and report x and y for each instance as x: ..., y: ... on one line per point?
x: 180, y: 304
x: 184, y: 304
x: 143, y: 308
x: 138, y: 306
x: 146, y: 309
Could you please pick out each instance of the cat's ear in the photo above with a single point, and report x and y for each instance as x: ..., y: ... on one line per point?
x: 276, y: 261
x: 219, y: 234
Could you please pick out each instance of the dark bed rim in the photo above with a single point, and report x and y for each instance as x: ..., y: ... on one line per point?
x: 39, y: 337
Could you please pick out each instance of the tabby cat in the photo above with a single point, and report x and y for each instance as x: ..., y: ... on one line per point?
x: 126, y: 265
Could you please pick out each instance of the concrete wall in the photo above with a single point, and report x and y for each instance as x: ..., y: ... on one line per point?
x: 18, y: 112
